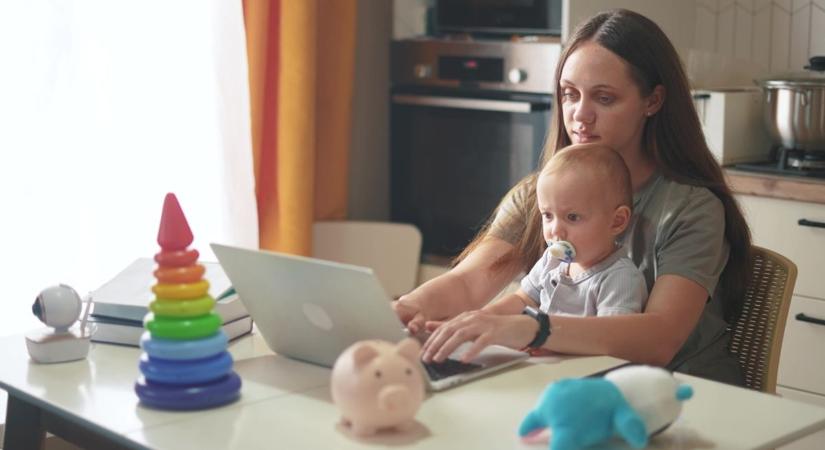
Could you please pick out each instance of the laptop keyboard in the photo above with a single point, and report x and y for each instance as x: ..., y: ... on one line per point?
x: 448, y: 367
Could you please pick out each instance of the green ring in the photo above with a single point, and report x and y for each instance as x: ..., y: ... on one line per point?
x: 165, y: 307
x: 183, y: 329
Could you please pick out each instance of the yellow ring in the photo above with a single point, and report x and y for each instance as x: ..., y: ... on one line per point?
x: 181, y: 291
x: 163, y: 307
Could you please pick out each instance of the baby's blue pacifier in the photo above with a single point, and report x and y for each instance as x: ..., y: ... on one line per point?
x: 562, y: 250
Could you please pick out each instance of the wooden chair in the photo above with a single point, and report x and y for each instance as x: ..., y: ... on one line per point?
x: 391, y: 250
x: 757, y: 334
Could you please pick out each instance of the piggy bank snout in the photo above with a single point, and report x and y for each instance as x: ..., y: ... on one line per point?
x: 395, y: 397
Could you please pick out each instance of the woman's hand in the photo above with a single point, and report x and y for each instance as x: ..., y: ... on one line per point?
x: 482, y: 329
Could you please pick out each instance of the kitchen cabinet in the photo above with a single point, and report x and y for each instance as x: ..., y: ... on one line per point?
x: 775, y: 225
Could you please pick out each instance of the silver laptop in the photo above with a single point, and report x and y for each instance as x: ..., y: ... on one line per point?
x: 310, y: 309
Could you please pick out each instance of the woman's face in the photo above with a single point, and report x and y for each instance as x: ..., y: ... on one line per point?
x: 601, y: 102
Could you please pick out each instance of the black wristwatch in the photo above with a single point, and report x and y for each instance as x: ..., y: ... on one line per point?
x: 544, y: 326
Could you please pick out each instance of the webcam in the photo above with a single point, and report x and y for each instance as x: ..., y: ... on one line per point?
x: 58, y: 307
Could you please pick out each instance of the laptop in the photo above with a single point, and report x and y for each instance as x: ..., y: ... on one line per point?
x: 312, y: 310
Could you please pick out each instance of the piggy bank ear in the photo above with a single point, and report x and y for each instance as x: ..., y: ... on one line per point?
x: 363, y: 354
x: 408, y: 348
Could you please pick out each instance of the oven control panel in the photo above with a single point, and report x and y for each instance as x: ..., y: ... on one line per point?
x: 494, y: 65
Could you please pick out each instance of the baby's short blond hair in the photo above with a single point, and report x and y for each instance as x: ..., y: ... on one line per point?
x: 601, y: 161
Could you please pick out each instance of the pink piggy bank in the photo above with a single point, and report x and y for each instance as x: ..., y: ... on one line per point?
x: 378, y: 385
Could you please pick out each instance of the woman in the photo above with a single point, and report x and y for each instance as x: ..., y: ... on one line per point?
x: 619, y: 82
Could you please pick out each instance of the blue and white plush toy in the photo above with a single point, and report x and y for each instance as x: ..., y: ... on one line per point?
x: 633, y: 402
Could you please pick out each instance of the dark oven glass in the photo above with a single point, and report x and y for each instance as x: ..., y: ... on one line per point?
x: 454, y: 158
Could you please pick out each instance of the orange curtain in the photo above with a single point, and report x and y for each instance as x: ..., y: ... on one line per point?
x: 301, y: 64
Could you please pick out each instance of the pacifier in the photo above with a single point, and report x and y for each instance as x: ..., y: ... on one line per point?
x: 562, y: 250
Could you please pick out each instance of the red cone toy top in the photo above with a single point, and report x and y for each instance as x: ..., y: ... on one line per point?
x: 174, y: 232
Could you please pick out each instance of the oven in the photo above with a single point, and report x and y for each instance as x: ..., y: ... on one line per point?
x: 468, y: 121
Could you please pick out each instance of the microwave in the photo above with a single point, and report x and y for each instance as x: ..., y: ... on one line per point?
x: 732, y: 124
x: 503, y: 17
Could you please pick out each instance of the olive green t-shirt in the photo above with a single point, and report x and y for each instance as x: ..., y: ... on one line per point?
x: 676, y: 229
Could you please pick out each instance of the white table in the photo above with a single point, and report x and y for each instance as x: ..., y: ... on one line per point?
x: 286, y: 404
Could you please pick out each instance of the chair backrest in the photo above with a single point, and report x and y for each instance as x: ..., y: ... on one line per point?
x: 391, y: 250
x: 757, y: 334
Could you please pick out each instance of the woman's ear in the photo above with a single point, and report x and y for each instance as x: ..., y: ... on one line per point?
x: 655, y: 100
x: 621, y: 218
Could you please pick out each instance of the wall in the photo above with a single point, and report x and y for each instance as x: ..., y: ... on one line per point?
x: 774, y: 35
x: 675, y: 17
x: 409, y: 17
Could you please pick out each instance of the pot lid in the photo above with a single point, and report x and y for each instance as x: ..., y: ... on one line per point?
x: 813, y: 75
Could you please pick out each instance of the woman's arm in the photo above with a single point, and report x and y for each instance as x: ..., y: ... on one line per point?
x: 467, y: 286
x: 511, y: 304
x: 653, y: 337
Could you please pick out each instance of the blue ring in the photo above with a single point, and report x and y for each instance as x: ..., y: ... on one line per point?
x: 176, y: 349
x: 189, y: 397
x: 184, y: 372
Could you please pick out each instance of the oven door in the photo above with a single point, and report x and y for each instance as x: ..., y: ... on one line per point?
x: 454, y: 156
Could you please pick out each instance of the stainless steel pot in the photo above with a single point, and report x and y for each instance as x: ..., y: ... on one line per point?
x: 795, y: 107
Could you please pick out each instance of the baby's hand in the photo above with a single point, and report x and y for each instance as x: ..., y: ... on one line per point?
x: 421, y: 335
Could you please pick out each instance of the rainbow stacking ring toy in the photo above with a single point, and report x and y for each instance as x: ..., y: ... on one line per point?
x: 184, y: 364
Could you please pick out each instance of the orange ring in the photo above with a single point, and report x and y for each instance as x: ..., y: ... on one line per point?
x: 185, y: 274
x: 177, y: 258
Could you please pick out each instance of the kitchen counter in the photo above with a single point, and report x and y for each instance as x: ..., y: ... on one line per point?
x: 784, y: 187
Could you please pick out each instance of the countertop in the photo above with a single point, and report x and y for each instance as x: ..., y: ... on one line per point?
x: 783, y: 187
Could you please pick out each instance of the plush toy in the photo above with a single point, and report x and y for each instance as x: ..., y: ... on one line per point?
x: 634, y: 402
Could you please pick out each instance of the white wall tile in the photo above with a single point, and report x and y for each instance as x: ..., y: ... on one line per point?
x: 725, y: 31
x: 759, y: 5
x: 800, y: 37
x: 761, y: 50
x: 783, y: 4
x: 776, y: 35
x: 780, y: 39
x: 743, y: 32
x: 799, y: 4
x: 725, y: 4
x: 817, y: 28
x: 705, y: 37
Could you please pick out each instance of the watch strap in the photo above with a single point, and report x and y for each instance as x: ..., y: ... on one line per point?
x: 544, y: 326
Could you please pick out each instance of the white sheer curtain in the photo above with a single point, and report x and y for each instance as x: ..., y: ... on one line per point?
x: 104, y: 108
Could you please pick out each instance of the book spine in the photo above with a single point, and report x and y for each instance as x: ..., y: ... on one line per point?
x: 111, y: 333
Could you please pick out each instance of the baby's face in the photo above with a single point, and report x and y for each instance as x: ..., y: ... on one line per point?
x: 575, y: 208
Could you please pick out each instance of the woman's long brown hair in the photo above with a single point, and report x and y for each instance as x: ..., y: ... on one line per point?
x: 672, y: 138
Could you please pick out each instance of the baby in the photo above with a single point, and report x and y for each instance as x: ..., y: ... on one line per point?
x: 585, y: 199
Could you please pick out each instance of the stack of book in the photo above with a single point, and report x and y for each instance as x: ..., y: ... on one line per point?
x: 120, y: 305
